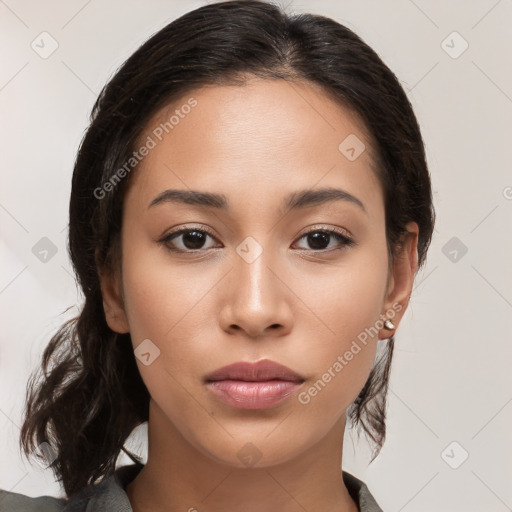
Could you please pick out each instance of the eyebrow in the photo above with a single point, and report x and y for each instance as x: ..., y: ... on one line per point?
x: 295, y: 200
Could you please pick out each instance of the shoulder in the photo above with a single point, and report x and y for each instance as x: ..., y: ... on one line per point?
x: 106, y: 496
x: 14, y: 502
x: 360, y: 493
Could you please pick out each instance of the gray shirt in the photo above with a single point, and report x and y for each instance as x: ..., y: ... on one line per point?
x: 110, y: 496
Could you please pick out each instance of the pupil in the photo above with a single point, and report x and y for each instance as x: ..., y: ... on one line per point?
x: 193, y: 240
x: 316, y: 240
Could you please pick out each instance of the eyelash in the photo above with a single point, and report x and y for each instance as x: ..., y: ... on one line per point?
x: 338, y: 235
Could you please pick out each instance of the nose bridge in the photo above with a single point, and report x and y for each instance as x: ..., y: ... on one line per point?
x: 256, y: 298
x: 253, y: 278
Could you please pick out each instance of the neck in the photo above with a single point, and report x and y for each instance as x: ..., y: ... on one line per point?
x: 179, y: 477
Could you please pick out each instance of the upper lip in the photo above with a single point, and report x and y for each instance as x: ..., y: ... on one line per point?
x: 255, y: 372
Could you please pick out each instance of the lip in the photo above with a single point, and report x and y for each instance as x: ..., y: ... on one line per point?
x: 259, y: 371
x: 259, y: 385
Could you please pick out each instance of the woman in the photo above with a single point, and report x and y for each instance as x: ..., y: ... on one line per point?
x: 249, y: 208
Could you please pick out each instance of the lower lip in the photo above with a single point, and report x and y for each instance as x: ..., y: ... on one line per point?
x: 253, y: 395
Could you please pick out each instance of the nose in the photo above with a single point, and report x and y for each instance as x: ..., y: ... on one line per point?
x: 257, y: 300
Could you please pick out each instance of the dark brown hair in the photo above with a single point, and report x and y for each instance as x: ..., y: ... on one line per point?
x: 89, y: 395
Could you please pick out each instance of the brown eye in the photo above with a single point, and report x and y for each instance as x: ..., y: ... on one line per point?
x: 319, y: 239
x: 192, y: 240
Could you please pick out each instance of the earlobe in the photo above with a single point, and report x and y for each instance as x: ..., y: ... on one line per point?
x: 401, y: 281
x: 113, y: 304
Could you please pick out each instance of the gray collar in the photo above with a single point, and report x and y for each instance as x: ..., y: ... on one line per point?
x: 110, y: 494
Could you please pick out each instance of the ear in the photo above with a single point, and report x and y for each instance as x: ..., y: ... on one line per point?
x: 113, y: 302
x: 401, y: 279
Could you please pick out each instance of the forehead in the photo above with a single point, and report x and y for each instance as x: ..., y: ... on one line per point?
x: 263, y: 139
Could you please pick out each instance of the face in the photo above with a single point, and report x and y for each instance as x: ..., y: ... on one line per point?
x: 255, y: 277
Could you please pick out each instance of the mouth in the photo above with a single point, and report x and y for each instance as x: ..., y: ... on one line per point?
x: 260, y: 371
x: 259, y: 385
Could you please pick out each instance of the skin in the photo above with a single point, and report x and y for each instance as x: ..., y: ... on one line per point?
x: 294, y: 304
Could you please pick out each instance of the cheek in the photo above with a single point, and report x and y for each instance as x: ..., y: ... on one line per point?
x: 347, y: 304
x: 348, y: 296
x: 162, y: 304
x: 159, y: 297
x: 169, y: 305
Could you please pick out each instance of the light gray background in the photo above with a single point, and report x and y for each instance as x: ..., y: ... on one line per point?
x: 451, y: 379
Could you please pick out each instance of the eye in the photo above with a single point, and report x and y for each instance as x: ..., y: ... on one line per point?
x: 319, y: 239
x: 193, y: 239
